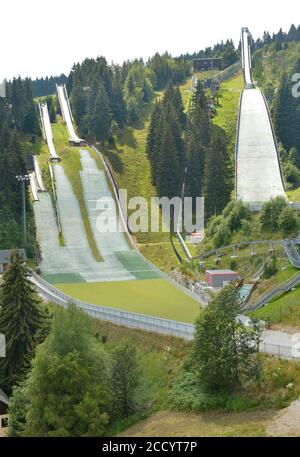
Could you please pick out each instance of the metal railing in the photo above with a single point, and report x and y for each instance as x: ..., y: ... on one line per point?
x: 235, y: 246
x: 292, y: 252
x: 278, y: 350
x: 141, y: 321
x: 272, y: 293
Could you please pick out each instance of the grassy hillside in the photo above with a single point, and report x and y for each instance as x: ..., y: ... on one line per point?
x: 282, y: 311
x: 161, y: 358
x: 270, y: 64
x: 227, y: 107
x: 131, y: 169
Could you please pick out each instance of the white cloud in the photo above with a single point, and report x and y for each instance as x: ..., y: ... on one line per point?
x: 47, y: 37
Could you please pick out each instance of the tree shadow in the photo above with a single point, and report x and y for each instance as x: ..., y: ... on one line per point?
x: 113, y: 156
x: 126, y: 138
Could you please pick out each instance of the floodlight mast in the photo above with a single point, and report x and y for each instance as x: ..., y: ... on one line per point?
x: 22, y: 179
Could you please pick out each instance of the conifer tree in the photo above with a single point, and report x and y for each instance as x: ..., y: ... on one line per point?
x: 20, y: 320
x: 216, y: 176
x: 101, y: 115
x: 170, y: 173
x: 154, y: 139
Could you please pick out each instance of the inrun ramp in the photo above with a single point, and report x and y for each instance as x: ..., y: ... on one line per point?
x: 45, y: 118
x: 67, y: 114
x: 258, y: 172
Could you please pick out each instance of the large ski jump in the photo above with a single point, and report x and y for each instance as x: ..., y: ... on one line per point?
x: 258, y: 172
x: 47, y: 130
x: 67, y: 115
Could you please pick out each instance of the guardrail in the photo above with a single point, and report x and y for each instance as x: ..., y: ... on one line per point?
x: 275, y: 140
x: 235, y: 246
x: 223, y: 75
x: 292, y: 253
x: 274, y: 292
x: 237, y: 139
x: 140, y: 321
x: 281, y: 351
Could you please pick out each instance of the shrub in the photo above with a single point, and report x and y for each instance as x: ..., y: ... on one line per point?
x: 238, y: 213
x: 270, y: 267
x: 213, y: 225
x: 222, y: 235
x: 271, y: 210
x: 287, y: 221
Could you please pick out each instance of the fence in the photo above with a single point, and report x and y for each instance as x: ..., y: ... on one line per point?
x: 142, y: 321
x: 223, y: 75
x: 278, y: 350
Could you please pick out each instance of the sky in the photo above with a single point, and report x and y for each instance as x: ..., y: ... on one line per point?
x: 46, y: 37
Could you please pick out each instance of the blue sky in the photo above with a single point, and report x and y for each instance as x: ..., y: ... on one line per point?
x: 40, y: 37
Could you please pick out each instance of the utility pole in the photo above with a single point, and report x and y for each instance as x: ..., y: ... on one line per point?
x: 22, y: 179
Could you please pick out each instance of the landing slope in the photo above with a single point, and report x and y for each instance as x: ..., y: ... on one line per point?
x: 258, y: 169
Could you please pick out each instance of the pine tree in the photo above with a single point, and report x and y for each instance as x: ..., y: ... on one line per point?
x: 154, y: 140
x: 169, y: 178
x: 101, y: 115
x: 124, y: 380
x: 199, y: 115
x: 20, y: 320
x: 216, y: 176
x: 79, y: 101
x: 195, y: 154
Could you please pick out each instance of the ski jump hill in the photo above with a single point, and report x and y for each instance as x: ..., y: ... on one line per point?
x: 258, y: 171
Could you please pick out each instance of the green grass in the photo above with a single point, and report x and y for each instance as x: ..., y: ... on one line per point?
x: 284, y: 310
x: 186, y: 88
x: 154, y: 297
x: 227, y: 107
x: 294, y: 195
x: 284, y: 273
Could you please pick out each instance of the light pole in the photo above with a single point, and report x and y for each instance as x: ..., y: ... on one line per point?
x: 22, y: 179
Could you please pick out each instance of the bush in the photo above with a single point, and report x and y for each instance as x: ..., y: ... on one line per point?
x: 291, y: 173
x: 239, y: 212
x: 222, y: 236
x: 270, y: 267
x: 213, y: 225
x: 186, y: 395
x: 287, y: 221
x: 233, y: 264
x: 270, y: 213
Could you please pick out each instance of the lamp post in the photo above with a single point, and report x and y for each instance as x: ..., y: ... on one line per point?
x: 22, y: 179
